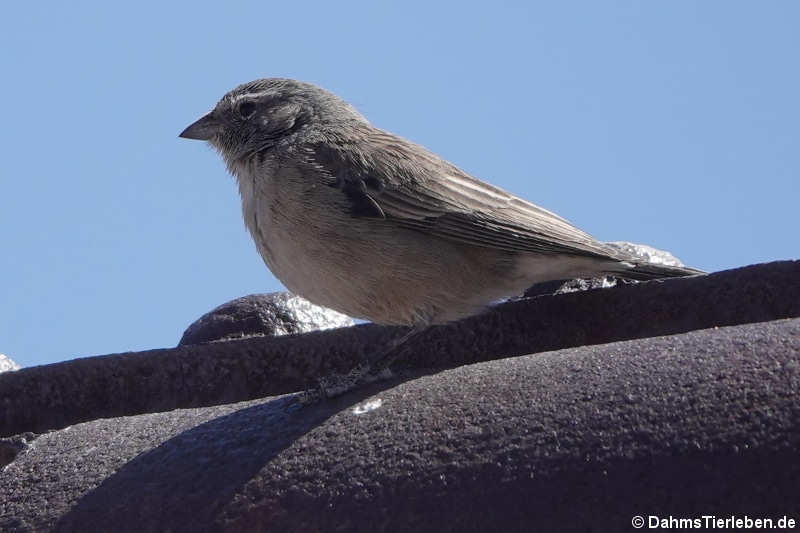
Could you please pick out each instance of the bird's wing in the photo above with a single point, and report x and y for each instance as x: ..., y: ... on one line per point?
x: 385, y: 176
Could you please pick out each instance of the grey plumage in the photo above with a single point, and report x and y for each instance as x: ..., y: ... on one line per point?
x: 365, y: 222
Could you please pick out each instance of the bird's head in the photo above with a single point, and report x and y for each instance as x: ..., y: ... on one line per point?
x: 256, y: 116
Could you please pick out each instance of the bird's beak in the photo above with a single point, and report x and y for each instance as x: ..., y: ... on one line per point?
x: 203, y: 129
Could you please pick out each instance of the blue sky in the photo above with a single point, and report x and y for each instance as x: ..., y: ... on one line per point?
x: 668, y: 123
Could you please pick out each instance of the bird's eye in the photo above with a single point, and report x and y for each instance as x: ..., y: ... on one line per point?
x: 246, y: 109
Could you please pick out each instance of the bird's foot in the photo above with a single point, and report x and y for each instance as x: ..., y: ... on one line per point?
x: 337, y: 384
x: 369, y: 371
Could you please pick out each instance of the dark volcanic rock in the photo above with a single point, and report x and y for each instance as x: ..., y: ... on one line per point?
x: 54, y: 396
x: 582, y: 439
x: 259, y: 315
x: 10, y: 447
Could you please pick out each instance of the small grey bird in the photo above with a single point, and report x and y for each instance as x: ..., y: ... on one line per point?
x: 360, y: 220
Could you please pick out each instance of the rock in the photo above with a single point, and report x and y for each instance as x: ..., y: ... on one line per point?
x: 10, y: 447
x: 576, y: 285
x: 259, y: 315
x: 53, y: 396
x: 7, y: 364
x: 566, y: 286
x: 575, y: 440
x: 646, y: 253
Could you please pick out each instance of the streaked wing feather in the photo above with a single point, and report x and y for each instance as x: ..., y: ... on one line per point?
x: 419, y: 190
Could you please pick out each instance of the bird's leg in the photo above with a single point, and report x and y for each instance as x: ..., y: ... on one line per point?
x: 369, y: 370
x: 376, y: 365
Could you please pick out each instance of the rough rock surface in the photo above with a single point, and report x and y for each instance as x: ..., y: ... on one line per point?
x: 574, y: 285
x: 259, y: 315
x: 646, y: 253
x: 53, y: 396
x: 576, y: 429
x: 581, y: 439
x: 7, y: 364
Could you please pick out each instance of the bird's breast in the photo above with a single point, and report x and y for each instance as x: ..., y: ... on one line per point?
x: 302, y: 237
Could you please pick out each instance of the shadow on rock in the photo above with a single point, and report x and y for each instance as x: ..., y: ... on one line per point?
x: 182, y: 484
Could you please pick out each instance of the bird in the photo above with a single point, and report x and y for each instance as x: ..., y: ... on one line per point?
x: 360, y: 220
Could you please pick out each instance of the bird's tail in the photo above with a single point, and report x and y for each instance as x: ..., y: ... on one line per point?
x: 648, y: 271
